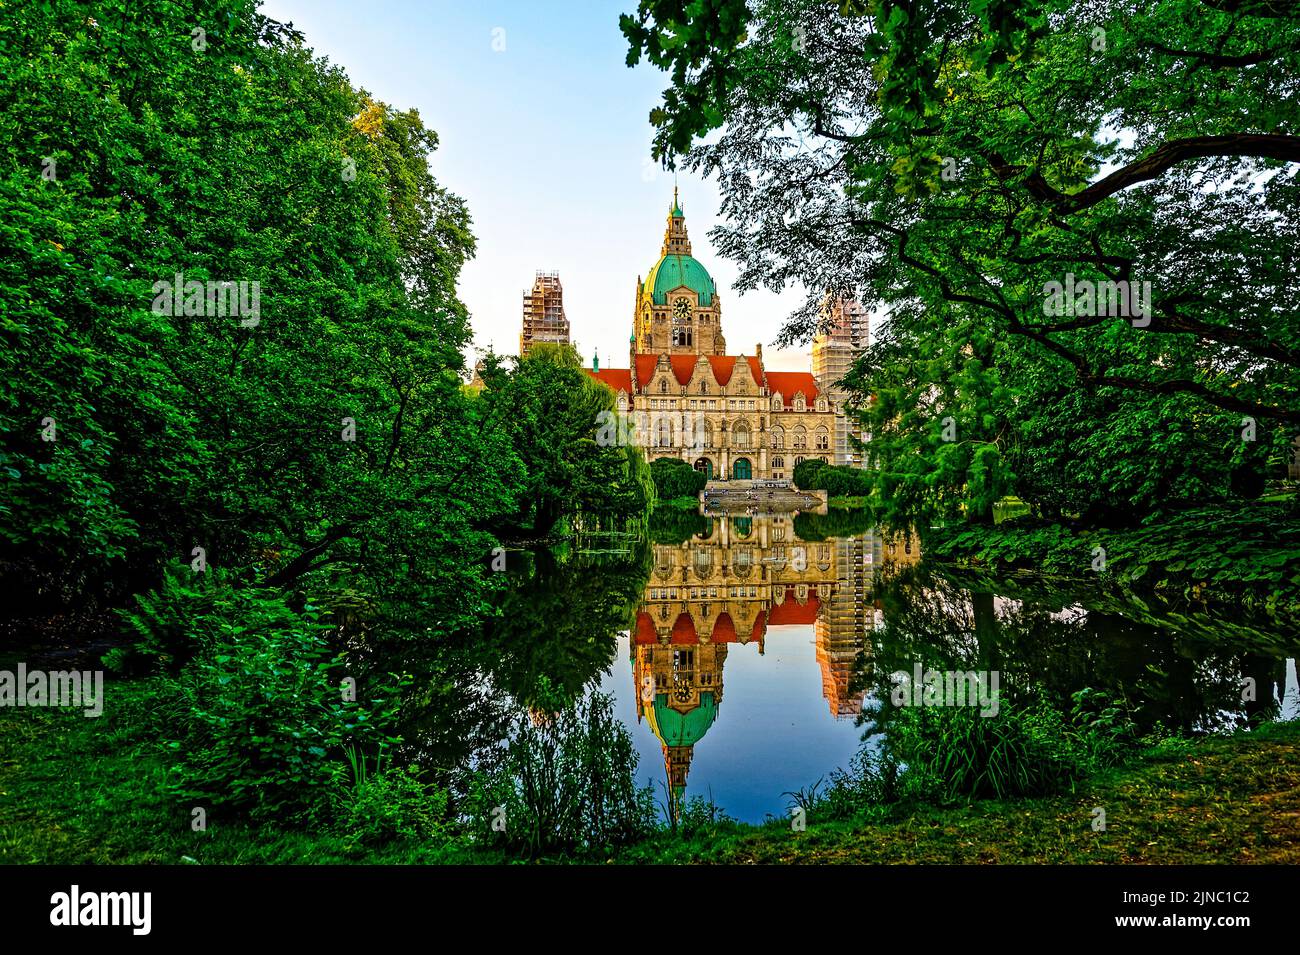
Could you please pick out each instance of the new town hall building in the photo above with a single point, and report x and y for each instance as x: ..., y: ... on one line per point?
x: 725, y: 415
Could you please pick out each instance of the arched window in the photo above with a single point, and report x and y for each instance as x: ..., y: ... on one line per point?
x: 663, y: 387
x: 800, y: 437
x: 664, y: 432
x: 704, y: 387
x: 823, y: 439
x: 776, y: 402
x: 778, y: 462
x: 778, y: 437
x: 821, y: 404
x: 740, y: 437
x: 799, y: 403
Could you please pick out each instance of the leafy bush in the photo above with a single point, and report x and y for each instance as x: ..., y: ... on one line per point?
x: 266, y: 724
x: 806, y: 473
x: 951, y: 752
x: 837, y: 480
x: 872, y: 779
x: 564, y: 781
x: 943, y: 754
x: 675, y: 478
x: 698, y: 816
x: 388, y: 803
x: 170, y: 624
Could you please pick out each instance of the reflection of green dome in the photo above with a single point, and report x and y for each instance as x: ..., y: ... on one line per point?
x: 683, y: 729
x: 673, y: 271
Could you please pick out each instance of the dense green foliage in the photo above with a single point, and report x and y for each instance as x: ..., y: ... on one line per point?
x: 556, y: 415
x: 564, y: 780
x: 277, y: 490
x: 265, y: 721
x: 675, y: 478
x: 1250, y: 559
x: 946, y: 163
x: 77, y: 791
x: 1026, y: 750
x: 838, y: 480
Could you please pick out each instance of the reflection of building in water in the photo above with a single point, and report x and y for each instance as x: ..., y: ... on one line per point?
x: 708, y: 593
x: 846, y: 618
x: 892, y: 548
x: 849, y: 613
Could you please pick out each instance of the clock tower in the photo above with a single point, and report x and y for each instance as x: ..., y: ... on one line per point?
x: 677, y: 308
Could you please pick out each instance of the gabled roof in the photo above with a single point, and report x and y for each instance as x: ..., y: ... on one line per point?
x: 620, y: 379
x: 683, y: 367
x: 725, y: 365
x: 788, y: 383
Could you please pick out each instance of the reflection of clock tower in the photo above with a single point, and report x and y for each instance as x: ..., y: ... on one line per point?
x: 677, y: 308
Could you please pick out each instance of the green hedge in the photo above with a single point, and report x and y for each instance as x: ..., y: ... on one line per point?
x: 814, y: 474
x: 675, y: 478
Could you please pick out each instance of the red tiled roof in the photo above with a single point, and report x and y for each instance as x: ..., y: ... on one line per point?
x: 790, y: 382
x: 724, y: 629
x: 683, y: 367
x: 722, y: 366
x: 620, y: 379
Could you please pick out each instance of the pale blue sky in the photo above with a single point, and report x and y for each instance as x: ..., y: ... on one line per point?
x: 548, y: 141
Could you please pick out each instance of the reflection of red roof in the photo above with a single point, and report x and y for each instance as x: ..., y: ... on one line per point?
x: 620, y: 379
x: 790, y: 611
x: 790, y: 382
x: 645, y: 629
x: 684, y: 633
x: 684, y: 629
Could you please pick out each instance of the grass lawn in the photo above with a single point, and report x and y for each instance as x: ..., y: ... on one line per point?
x: 1226, y: 800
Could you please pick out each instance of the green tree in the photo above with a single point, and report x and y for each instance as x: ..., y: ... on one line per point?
x: 579, y: 466
x: 948, y: 162
x: 675, y: 478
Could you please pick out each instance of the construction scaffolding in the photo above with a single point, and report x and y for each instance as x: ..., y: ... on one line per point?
x: 844, y: 330
x: 544, y: 319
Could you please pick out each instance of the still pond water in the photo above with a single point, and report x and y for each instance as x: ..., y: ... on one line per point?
x: 760, y: 645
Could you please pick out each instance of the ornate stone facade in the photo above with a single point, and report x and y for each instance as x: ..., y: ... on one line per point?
x: 725, y: 415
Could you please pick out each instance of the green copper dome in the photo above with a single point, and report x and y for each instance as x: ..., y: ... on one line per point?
x: 678, y: 729
x: 673, y: 271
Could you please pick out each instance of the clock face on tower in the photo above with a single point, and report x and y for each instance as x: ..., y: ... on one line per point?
x: 682, y: 309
